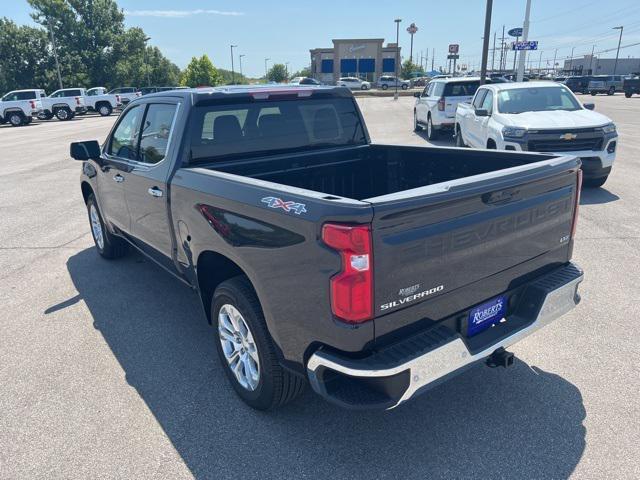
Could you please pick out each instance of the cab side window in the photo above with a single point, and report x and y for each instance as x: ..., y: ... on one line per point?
x: 156, y: 132
x: 487, y: 103
x: 124, y: 143
x: 477, y: 101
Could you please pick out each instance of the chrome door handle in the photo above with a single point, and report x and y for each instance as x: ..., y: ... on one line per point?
x: 155, y: 192
x: 118, y: 178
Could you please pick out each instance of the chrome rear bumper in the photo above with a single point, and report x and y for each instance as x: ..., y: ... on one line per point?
x: 396, y: 374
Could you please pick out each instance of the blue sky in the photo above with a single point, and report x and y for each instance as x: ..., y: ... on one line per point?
x: 284, y: 31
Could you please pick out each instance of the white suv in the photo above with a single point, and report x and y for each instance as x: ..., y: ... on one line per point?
x: 353, y: 83
x: 435, y: 107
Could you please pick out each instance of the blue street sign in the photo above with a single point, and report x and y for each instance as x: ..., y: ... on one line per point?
x: 515, y: 32
x: 529, y: 45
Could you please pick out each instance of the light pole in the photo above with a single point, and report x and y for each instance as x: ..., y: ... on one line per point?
x: 591, y: 61
x: 411, y: 29
x: 615, y: 65
x: 397, y: 20
x: 571, y: 61
x: 240, y: 57
x: 286, y: 70
x: 485, y: 42
x: 233, y: 73
x: 522, y: 57
x: 266, y: 72
x: 146, y: 39
x: 55, y: 53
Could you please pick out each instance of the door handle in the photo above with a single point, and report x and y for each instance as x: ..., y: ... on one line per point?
x: 118, y: 178
x: 155, y: 192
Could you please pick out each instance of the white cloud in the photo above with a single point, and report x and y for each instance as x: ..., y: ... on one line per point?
x: 178, y: 13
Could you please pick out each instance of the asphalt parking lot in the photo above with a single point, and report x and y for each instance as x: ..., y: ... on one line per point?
x: 109, y: 370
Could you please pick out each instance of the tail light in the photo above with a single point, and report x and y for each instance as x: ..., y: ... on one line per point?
x: 33, y: 104
x: 77, y: 100
x: 352, y: 288
x: 138, y: 94
x: 575, y: 210
x: 441, y: 105
x: 118, y: 99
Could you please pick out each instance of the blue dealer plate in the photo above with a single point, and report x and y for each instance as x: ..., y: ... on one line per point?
x: 485, y: 315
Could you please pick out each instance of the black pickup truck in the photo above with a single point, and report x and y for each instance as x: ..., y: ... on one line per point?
x: 370, y: 271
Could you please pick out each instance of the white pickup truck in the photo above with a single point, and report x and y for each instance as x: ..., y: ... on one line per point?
x: 18, y: 107
x: 98, y: 100
x: 64, y: 104
x: 539, y: 117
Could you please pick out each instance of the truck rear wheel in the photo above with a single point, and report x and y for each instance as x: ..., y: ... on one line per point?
x: 595, y: 182
x: 611, y: 91
x: 459, y: 139
x: 63, y: 114
x: 108, y: 245
x: 432, y: 133
x: 246, y: 350
x: 628, y: 94
x: 16, y: 119
x: 104, y: 109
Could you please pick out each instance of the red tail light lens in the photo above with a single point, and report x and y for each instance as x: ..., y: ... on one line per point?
x: 32, y: 103
x: 352, y: 288
x: 441, y: 105
x: 77, y: 100
x: 575, y: 210
x: 117, y: 98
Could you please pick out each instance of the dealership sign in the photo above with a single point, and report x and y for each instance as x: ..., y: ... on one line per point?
x: 454, y: 48
x: 356, y: 48
x: 515, y: 32
x: 528, y: 45
x: 412, y: 29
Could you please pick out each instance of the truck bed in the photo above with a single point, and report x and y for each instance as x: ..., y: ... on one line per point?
x: 374, y: 170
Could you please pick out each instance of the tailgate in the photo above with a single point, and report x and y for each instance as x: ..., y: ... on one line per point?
x: 436, y: 240
x: 451, y: 103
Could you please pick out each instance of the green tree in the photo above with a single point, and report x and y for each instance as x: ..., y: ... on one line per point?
x: 277, y: 73
x: 410, y: 70
x: 305, y: 72
x: 24, y: 62
x: 200, y: 72
x: 228, y: 78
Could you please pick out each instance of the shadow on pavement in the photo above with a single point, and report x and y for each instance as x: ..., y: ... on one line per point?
x: 445, y: 139
x: 595, y: 196
x: 486, y: 423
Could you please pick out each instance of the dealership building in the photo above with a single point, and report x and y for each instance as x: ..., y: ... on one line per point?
x: 364, y: 58
x: 589, y: 65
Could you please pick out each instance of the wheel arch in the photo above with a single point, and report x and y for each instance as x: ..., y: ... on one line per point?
x: 491, y: 143
x: 87, y: 190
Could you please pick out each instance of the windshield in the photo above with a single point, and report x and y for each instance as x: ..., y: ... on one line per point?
x: 518, y: 100
x: 270, y: 127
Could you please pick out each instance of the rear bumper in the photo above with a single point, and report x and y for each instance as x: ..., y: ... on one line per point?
x: 399, y: 372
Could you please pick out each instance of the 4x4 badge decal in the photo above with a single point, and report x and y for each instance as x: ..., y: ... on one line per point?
x: 273, y: 202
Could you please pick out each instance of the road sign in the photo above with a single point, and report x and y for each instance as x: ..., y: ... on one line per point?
x: 515, y: 32
x: 453, y: 56
x: 454, y: 48
x: 412, y: 29
x: 529, y: 45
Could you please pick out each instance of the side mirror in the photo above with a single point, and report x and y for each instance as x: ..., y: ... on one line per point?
x: 589, y: 106
x: 85, y: 150
x: 482, y: 112
x: 416, y: 94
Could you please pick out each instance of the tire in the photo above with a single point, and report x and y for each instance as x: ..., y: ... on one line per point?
x: 432, y: 133
x: 611, y: 91
x: 595, y: 182
x: 236, y: 314
x: 384, y: 86
x: 628, y: 94
x: 63, y: 114
x: 3, y: 121
x: 593, y: 94
x: 404, y: 86
x: 104, y: 109
x: 108, y: 245
x: 459, y: 139
x: 16, y: 119
x: 416, y: 126
x: 28, y: 120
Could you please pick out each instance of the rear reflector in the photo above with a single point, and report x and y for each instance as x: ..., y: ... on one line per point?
x: 352, y: 288
x: 577, y: 205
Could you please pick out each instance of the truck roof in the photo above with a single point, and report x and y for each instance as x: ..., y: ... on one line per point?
x: 202, y: 94
x: 514, y: 85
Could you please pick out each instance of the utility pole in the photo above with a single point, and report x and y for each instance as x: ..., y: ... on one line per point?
x: 525, y: 36
x: 433, y: 57
x: 540, y: 62
x: 485, y: 42
x: 555, y: 54
x: 397, y: 20
x: 426, y: 60
x: 286, y: 69
x: 55, y: 53
x: 591, y: 60
x: 615, y: 65
x: 502, y: 48
x: 233, y: 73
x: 493, y: 53
x: 515, y: 56
x: 266, y: 72
x: 240, y: 57
x: 571, y: 61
